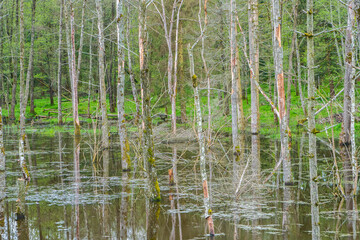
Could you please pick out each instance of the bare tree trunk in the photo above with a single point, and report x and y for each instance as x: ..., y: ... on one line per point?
x: 2, y: 82
x: 278, y: 57
x: 174, y: 90
x: 234, y: 81
x: 81, y: 40
x: 24, y: 170
x: 90, y: 67
x: 182, y: 80
x: 30, y: 70
x: 75, y: 103
x: 15, y: 67
x: 168, y: 36
x: 254, y: 61
x: 2, y: 149
x: 291, y: 70
x: 22, y: 70
x: 131, y: 74
x: 68, y: 40
x: 298, y: 70
x: 124, y: 145
x: 60, y: 122
x: 200, y: 133
x: 253, y: 12
x: 311, y: 123
x: 347, y: 137
x: 148, y: 153
x: 104, y: 118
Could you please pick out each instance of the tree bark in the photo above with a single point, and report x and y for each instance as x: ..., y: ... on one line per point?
x: 60, y: 121
x: 200, y: 134
x: 75, y: 103
x: 131, y: 74
x: 181, y: 79
x: 347, y: 136
x: 104, y: 117
x: 124, y: 145
x: 148, y: 152
x: 171, y: 83
x: 15, y: 67
x: 81, y: 40
x: 90, y: 68
x: 279, y: 74
x: 24, y: 170
x: 30, y: 70
x: 234, y: 81
x: 254, y: 61
x: 314, y: 195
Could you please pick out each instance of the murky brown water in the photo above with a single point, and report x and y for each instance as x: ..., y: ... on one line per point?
x: 101, y: 202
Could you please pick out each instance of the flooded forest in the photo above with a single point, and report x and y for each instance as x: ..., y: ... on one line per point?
x: 179, y: 119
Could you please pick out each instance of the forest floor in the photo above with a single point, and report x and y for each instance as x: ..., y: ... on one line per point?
x: 46, y: 114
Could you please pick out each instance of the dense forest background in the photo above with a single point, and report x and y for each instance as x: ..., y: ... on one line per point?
x: 330, y: 21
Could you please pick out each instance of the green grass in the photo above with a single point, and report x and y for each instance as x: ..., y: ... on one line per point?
x: 220, y: 122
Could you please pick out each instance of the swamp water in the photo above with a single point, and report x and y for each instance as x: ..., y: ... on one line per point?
x: 96, y: 200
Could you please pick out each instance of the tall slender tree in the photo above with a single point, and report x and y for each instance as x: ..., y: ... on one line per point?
x: 74, y: 79
x: 125, y: 158
x: 24, y: 170
x: 347, y: 137
x: 60, y: 121
x: 200, y: 133
x: 279, y: 74
x: 314, y: 195
x: 103, y: 104
x: 148, y: 153
x: 234, y: 81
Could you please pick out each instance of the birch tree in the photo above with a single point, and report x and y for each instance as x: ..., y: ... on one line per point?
x: 103, y: 104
